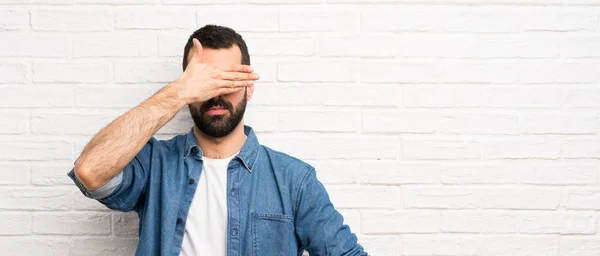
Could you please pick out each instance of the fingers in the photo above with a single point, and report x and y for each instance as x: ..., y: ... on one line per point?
x: 238, y: 76
x: 238, y: 68
x: 198, y: 49
x: 233, y: 84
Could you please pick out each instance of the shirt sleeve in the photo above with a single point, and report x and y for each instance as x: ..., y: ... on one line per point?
x: 123, y: 191
x: 319, y: 226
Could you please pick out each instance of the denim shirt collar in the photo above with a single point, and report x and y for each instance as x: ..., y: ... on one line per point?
x: 248, y: 154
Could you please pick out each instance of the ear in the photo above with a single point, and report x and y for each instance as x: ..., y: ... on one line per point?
x: 250, y: 91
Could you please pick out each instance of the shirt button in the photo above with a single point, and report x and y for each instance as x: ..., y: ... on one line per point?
x: 179, y: 220
x: 234, y: 231
x: 192, y: 181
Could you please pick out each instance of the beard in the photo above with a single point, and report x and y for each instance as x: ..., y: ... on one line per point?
x: 219, y: 125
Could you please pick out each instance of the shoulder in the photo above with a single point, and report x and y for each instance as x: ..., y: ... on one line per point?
x: 283, y: 162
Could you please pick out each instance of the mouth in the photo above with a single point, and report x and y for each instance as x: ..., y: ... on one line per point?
x: 214, y: 111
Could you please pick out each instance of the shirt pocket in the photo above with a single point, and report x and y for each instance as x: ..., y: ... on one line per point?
x: 272, y: 234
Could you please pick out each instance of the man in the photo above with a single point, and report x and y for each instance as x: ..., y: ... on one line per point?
x: 214, y: 190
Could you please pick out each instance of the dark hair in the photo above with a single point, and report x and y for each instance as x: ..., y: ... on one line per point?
x: 216, y: 37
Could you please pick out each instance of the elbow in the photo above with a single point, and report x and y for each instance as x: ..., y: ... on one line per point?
x: 87, y: 177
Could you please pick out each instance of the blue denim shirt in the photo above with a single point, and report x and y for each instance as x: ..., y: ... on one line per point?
x: 275, y: 203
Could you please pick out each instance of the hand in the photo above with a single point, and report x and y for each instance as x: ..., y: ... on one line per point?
x: 203, y: 81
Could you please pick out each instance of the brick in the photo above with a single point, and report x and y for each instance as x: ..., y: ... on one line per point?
x: 79, y: 20
x: 557, y: 223
x: 441, y: 96
x: 25, y: 245
x: 72, y: 72
x: 240, y: 18
x: 38, y: 199
x: 200, y: 1
x: 479, y: 222
x: 532, y: 199
x: 281, y: 1
x: 82, y: 203
x: 14, y: 19
x: 558, y: 124
x: 15, y: 223
x: 14, y: 174
x: 582, y: 98
x: 518, y: 246
x: 491, y: 71
x: 521, y: 149
x: 137, y: 71
x: 382, y: 245
x: 260, y: 122
x: 396, y: 222
x: 352, y: 219
x: 336, y: 172
x: 559, y: 19
x: 317, y: 71
x: 521, y: 97
x: 362, y: 95
x: 125, y: 224
x: 50, y: 174
x: 581, y: 149
x: 362, y: 197
x: 458, y: 174
x: 155, y: 18
x: 582, y: 199
x: 335, y: 147
x: 117, y: 45
x: 581, y: 46
x: 292, y: 94
x: 579, y: 246
x: 34, y: 45
x: 371, y: 46
x: 431, y: 149
x: 568, y: 71
x: 30, y: 149
x: 480, y: 20
x: 324, y: 121
x: 560, y: 174
x: 282, y: 46
x: 122, y: 96
x: 396, y: 19
x: 481, y: 46
x: 172, y: 44
x: 71, y: 223
x: 117, y: 2
x: 319, y: 19
x: 70, y: 123
x: 385, y: 71
x: 420, y: 245
x: 441, y: 198
x: 14, y: 122
x: 38, y: 96
x: 398, y: 122
x: 14, y: 72
x: 479, y: 124
x: 397, y: 173
x: 267, y: 69
x: 97, y: 246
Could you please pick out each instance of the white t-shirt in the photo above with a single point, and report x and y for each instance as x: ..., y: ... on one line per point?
x: 206, y: 227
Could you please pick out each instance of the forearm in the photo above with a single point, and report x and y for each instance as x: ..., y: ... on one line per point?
x: 109, y: 151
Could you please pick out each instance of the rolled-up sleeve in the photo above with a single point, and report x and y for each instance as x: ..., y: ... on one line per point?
x: 123, y: 191
x: 100, y: 193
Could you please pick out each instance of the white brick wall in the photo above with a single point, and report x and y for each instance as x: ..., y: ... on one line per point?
x: 439, y: 127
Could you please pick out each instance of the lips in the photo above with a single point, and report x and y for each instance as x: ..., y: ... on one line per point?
x: 216, y: 111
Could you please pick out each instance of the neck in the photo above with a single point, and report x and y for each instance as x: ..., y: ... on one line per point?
x: 221, y: 147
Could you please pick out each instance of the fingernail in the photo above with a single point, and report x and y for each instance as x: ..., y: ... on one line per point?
x: 256, y: 75
x: 250, y: 69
